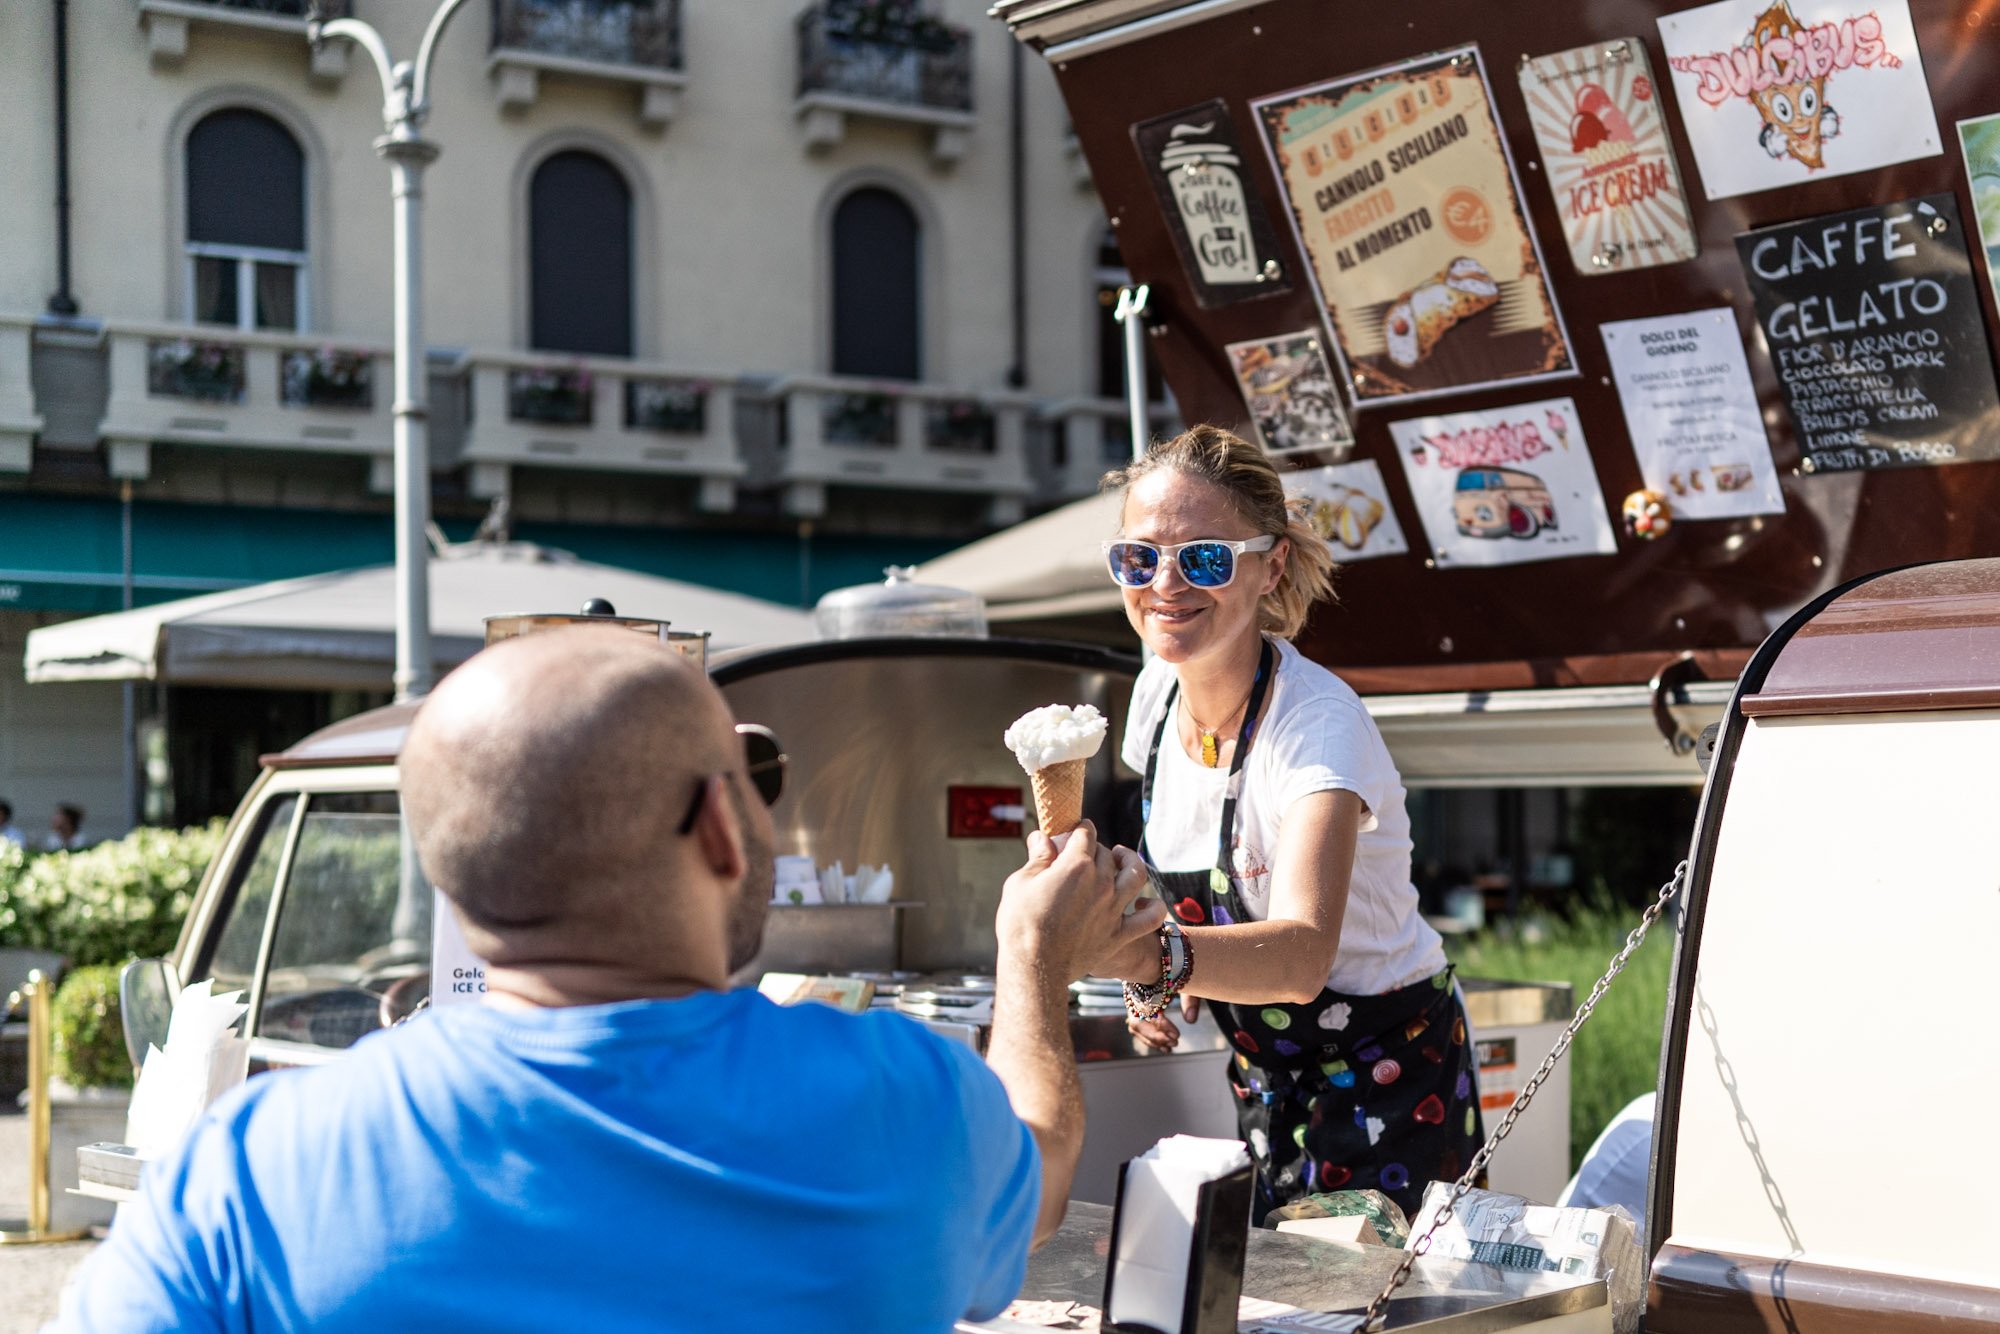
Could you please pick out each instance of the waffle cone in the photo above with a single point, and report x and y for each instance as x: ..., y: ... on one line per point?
x: 1059, y: 796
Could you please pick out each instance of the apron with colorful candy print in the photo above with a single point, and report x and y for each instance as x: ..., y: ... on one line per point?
x: 1344, y: 1092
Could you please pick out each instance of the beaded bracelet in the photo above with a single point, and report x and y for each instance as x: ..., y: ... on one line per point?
x: 1149, y: 1000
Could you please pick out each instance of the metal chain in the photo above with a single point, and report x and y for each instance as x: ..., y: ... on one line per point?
x: 1418, y: 1245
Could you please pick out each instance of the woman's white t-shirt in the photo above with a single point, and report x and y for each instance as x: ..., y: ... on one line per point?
x: 1316, y: 736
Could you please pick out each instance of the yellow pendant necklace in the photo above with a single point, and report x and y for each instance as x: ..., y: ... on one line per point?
x: 1211, y: 754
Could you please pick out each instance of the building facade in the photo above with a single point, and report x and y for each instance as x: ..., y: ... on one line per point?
x: 757, y: 295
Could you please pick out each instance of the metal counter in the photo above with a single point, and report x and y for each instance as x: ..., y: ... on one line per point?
x: 1441, y: 1297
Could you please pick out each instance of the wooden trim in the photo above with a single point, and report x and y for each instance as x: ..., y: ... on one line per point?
x: 1793, y: 703
x: 1715, y: 1292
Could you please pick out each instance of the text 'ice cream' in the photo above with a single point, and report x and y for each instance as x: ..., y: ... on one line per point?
x: 1054, y: 744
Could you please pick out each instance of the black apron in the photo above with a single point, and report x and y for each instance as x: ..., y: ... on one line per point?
x: 1344, y: 1092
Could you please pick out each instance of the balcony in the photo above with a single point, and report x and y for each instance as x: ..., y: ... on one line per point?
x: 19, y: 421
x: 839, y: 431
x: 626, y: 41
x: 601, y: 414
x: 195, y: 385
x: 885, y: 60
x: 1090, y: 437
x: 167, y: 24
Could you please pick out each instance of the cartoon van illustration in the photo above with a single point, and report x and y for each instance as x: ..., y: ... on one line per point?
x: 1502, y: 502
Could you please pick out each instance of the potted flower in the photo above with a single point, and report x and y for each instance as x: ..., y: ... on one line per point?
x: 553, y: 394
x: 326, y: 377
x: 91, y: 1088
x: 186, y: 368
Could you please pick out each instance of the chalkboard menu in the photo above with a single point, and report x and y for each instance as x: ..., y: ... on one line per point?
x: 1872, y: 322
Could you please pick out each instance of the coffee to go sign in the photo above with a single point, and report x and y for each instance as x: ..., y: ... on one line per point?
x: 1873, y: 326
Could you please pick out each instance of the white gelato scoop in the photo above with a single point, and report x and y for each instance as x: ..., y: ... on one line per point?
x: 1054, y: 734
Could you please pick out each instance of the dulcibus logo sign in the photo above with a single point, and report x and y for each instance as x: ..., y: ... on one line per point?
x: 1758, y: 86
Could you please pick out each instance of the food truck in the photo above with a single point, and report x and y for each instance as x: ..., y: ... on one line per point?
x: 1707, y: 274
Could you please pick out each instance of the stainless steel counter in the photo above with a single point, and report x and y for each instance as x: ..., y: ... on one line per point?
x: 1442, y: 1296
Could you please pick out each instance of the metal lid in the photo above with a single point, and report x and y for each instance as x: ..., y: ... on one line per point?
x: 900, y: 606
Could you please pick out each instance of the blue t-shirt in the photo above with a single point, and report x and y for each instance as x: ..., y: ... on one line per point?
x: 715, y: 1162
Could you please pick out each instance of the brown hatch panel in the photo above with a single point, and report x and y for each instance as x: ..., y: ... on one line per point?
x: 374, y: 737
x: 1927, y: 637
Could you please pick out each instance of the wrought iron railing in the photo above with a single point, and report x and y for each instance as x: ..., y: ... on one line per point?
x: 612, y: 32
x: 884, y: 51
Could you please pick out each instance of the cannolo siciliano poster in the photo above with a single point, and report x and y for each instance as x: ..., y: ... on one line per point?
x: 1402, y: 194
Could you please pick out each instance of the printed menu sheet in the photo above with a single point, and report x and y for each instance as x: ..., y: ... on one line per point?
x: 1219, y: 227
x: 1776, y: 94
x: 1348, y: 505
x: 1294, y: 403
x: 1692, y: 414
x: 1505, y: 486
x: 1404, y: 198
x: 1606, y: 157
x: 1873, y: 325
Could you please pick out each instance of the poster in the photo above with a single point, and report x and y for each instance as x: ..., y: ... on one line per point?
x: 1692, y: 414
x: 1873, y: 326
x: 1405, y: 202
x: 1776, y: 94
x: 1979, y: 140
x: 1220, y: 229
x: 1294, y: 404
x: 1607, y: 158
x: 1348, y: 505
x: 1505, y: 486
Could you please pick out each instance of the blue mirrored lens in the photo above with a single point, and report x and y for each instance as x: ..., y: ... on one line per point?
x: 1133, y: 564
x: 1207, y: 564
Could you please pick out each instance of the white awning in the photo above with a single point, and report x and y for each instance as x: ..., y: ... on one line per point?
x: 1049, y: 566
x: 337, y: 631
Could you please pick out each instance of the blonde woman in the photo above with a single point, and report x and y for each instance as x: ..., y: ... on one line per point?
x: 1276, y: 832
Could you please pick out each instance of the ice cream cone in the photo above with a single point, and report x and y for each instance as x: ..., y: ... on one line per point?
x: 1059, y: 796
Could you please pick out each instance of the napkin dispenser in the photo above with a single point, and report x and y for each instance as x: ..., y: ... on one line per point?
x: 1217, y: 1243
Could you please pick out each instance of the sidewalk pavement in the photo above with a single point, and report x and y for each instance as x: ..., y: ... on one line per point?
x: 31, y: 1276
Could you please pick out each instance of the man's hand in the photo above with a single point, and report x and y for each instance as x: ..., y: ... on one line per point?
x: 1065, y: 909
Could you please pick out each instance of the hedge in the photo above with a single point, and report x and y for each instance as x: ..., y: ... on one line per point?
x: 104, y: 905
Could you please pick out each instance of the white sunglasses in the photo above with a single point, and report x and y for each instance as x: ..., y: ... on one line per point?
x: 1206, y: 562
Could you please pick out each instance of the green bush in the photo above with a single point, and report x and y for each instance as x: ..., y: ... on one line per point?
x: 117, y: 901
x: 1616, y: 1056
x: 89, y: 1046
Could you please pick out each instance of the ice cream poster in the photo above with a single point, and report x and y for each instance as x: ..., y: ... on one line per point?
x: 1607, y: 158
x: 1403, y: 196
x: 1979, y: 140
x: 1227, y: 246
x: 1505, y: 486
x: 1289, y: 389
x: 1692, y: 414
x: 1348, y: 506
x: 1777, y: 94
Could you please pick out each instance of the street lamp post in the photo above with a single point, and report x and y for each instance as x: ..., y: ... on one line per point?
x: 405, y: 105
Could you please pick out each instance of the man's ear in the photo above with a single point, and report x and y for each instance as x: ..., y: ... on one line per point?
x: 717, y: 832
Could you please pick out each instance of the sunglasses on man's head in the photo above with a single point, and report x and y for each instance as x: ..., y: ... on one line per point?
x: 1208, y: 562
x: 765, y: 761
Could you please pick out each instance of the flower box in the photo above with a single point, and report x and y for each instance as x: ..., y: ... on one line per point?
x: 326, y: 377
x: 676, y: 406
x: 556, y: 395
x: 186, y: 368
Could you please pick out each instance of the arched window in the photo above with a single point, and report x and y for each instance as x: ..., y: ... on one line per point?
x: 877, y: 287
x: 246, y: 222
x: 580, y: 256
x: 1111, y: 275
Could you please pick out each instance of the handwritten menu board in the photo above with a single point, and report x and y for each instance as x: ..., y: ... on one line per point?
x: 1872, y: 322
x: 1403, y: 197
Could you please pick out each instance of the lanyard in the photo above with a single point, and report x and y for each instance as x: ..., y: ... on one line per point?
x: 1266, y: 661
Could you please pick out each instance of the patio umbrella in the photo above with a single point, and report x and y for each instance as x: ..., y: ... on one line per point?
x: 337, y: 631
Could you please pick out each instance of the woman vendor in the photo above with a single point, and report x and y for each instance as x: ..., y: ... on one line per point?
x: 1276, y: 832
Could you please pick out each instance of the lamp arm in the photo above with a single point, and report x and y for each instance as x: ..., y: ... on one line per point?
x: 420, y: 94
x: 365, y: 37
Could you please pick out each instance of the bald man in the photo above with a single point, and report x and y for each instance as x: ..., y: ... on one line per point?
x: 614, y: 1140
